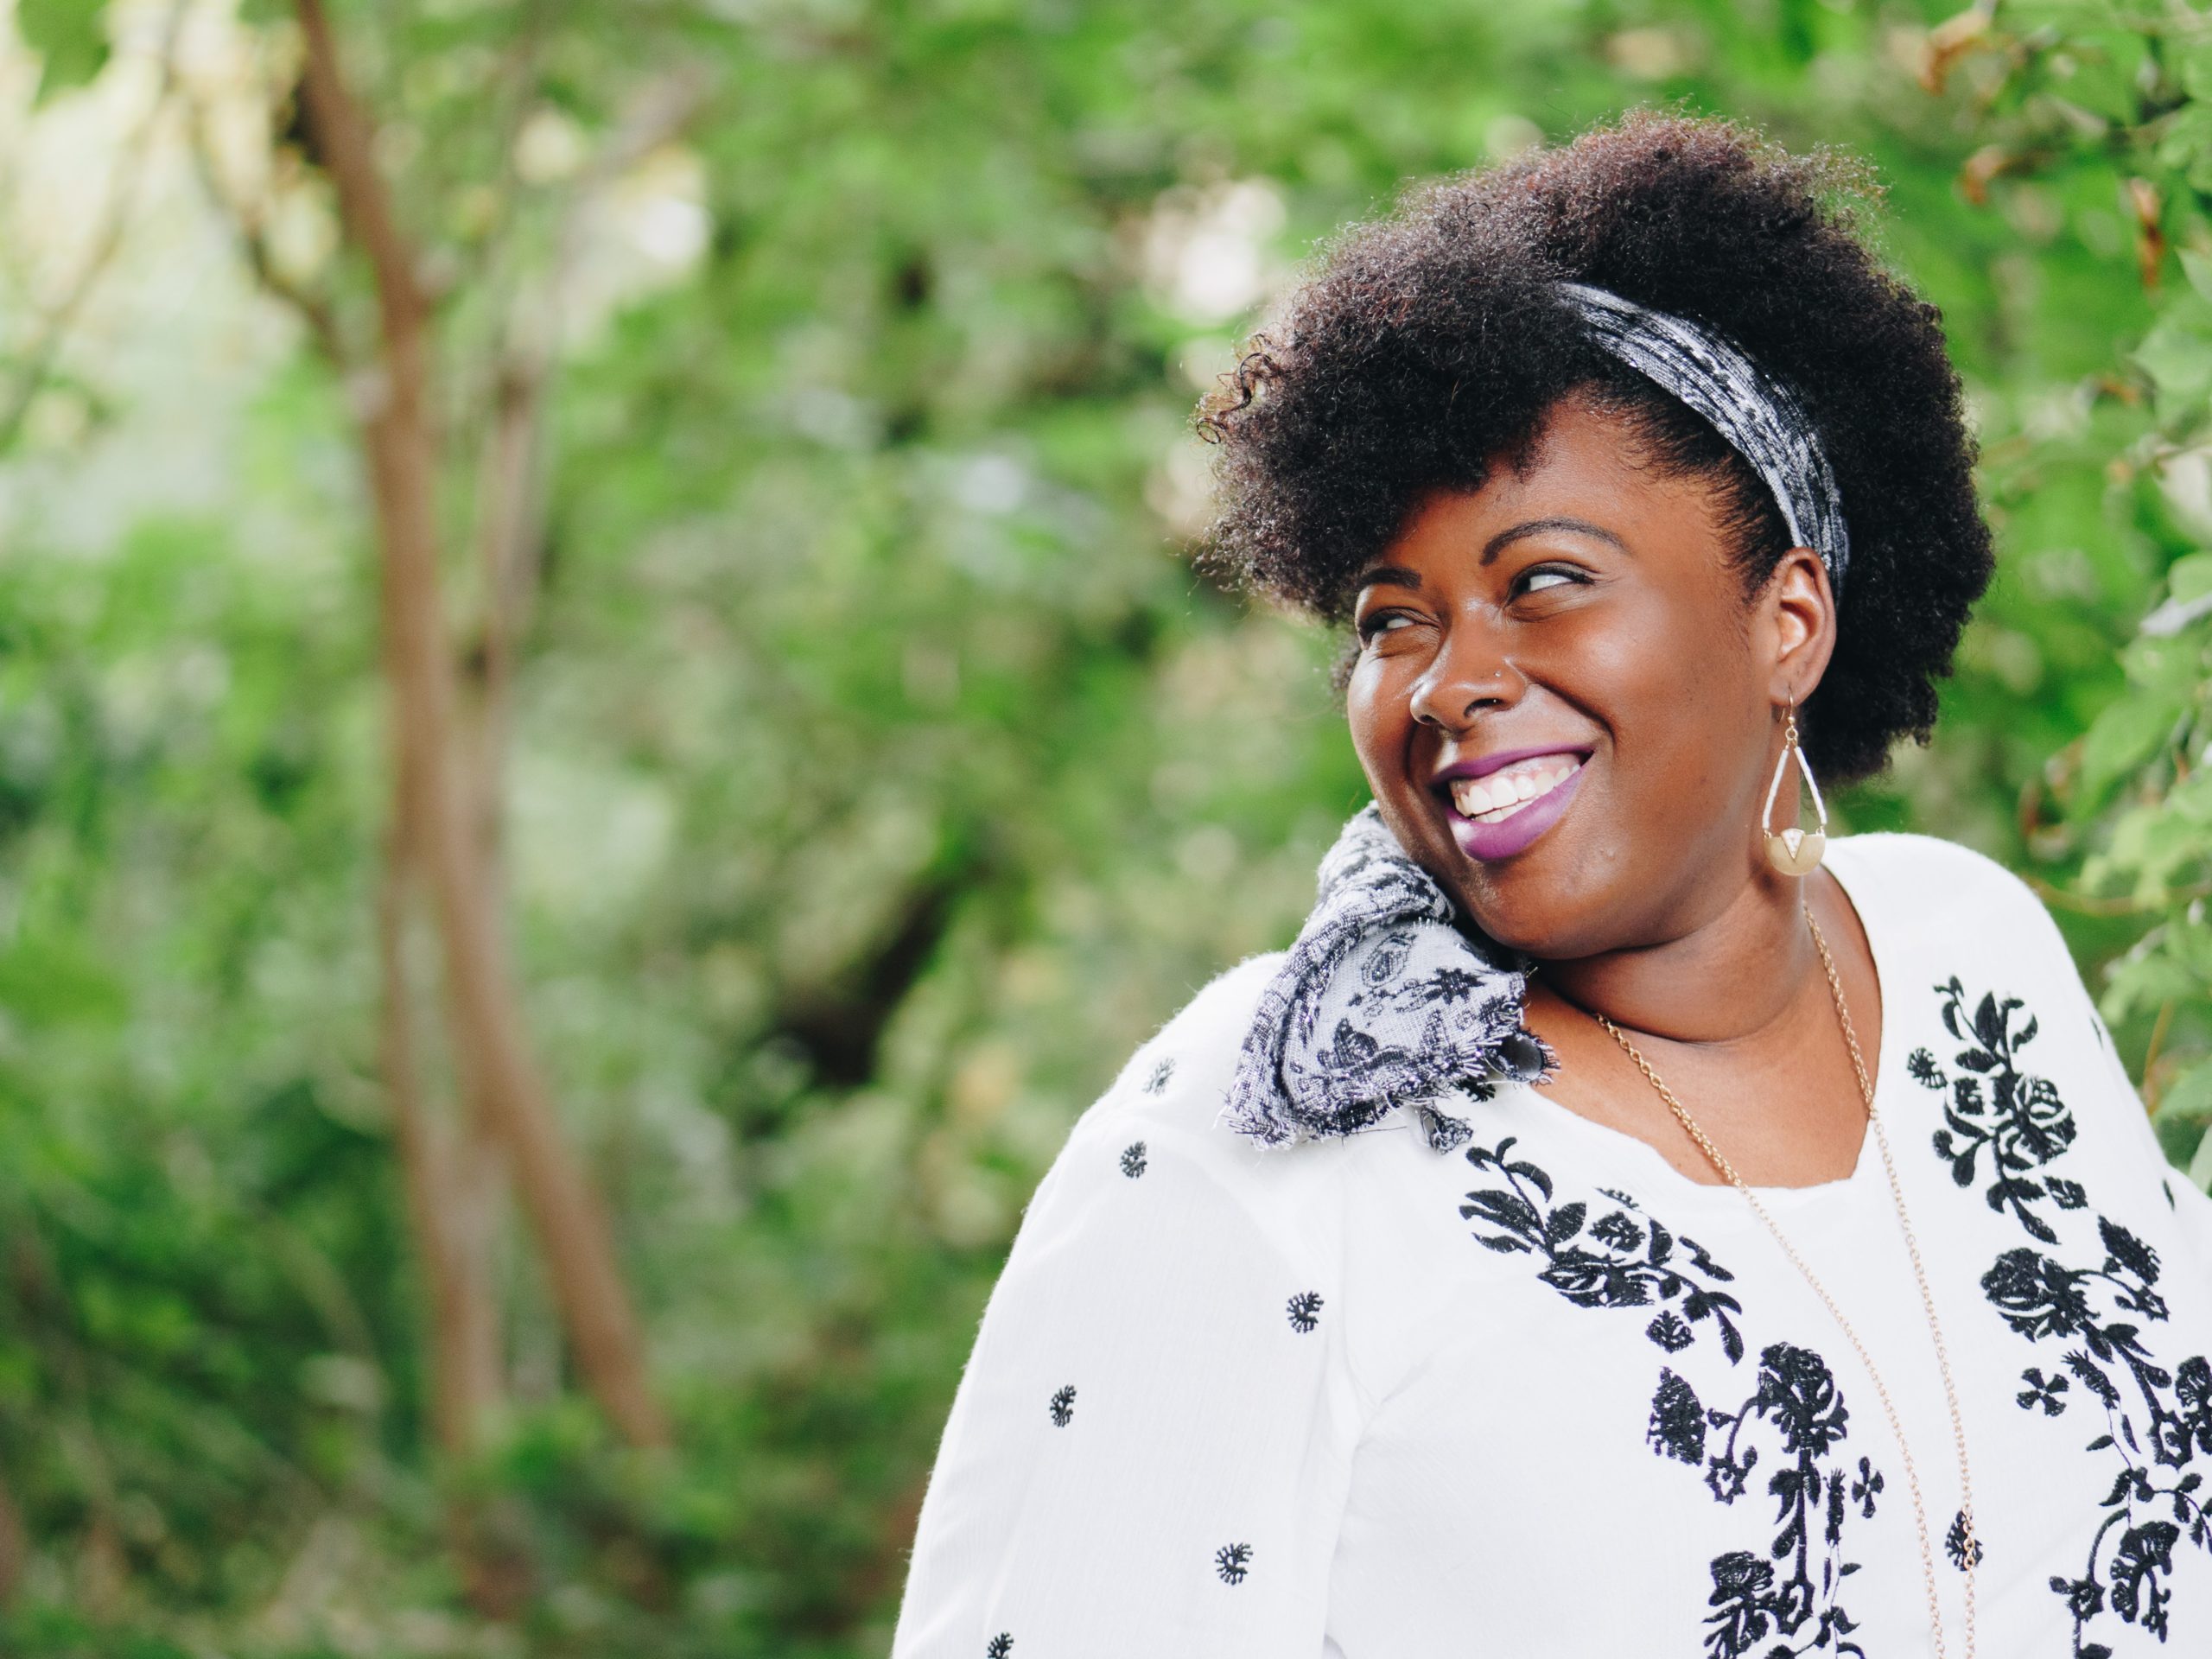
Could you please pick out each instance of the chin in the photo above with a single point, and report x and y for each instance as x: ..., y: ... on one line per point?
x: 1552, y: 902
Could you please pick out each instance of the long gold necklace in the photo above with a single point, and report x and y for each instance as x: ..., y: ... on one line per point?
x: 1971, y: 1551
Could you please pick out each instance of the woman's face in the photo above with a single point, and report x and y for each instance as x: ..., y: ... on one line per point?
x: 1565, y: 703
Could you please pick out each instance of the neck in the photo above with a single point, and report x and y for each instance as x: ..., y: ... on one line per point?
x: 1724, y: 980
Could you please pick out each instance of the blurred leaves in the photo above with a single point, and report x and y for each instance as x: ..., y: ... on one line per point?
x: 2101, y: 97
x: 882, y: 775
x: 70, y: 37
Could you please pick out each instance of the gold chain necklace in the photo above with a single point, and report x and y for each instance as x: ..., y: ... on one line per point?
x: 1971, y: 1551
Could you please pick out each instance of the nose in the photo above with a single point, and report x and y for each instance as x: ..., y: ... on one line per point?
x: 1470, y: 674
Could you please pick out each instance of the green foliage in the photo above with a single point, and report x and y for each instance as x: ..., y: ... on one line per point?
x: 70, y: 37
x: 881, y: 774
x: 2090, y: 100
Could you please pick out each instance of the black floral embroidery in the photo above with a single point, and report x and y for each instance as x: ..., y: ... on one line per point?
x: 1233, y: 1562
x: 1994, y: 1104
x: 1133, y: 1164
x: 1617, y: 1231
x: 2040, y: 1297
x: 1742, y: 1591
x: 1002, y: 1646
x: 1866, y: 1487
x: 1063, y: 1406
x: 1638, y: 1266
x: 2049, y: 1392
x: 2145, y: 1552
x: 1624, y: 1260
x: 1305, y: 1310
x: 2131, y: 1552
x: 1797, y: 1400
x: 1157, y: 1082
x: 1677, y: 1426
x: 2157, y: 1422
x: 1954, y: 1543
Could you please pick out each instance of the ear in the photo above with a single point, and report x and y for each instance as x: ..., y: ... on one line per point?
x: 1794, y: 624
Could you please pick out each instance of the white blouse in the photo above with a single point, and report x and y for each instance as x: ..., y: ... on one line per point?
x: 1546, y: 1397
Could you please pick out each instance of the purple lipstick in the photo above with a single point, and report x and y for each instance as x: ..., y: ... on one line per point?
x: 1493, y: 813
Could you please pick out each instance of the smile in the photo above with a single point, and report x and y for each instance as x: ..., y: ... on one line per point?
x: 1502, y: 794
x: 1502, y: 808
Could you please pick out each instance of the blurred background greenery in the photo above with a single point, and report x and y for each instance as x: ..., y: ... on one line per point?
x: 605, y: 732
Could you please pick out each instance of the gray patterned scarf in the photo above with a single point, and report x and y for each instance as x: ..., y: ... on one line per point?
x: 1387, y: 998
x: 1382, y: 1002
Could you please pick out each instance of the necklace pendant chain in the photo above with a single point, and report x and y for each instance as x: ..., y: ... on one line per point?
x: 1971, y: 1551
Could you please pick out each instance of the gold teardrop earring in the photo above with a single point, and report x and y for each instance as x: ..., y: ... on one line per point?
x: 1794, y: 851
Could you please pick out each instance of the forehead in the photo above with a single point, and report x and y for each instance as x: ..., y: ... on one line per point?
x: 1584, y: 468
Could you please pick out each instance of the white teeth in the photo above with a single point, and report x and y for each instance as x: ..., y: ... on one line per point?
x: 1498, y: 797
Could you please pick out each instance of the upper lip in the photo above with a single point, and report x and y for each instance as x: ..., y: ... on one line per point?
x: 1482, y: 764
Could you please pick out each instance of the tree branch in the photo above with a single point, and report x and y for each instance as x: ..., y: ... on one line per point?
x: 122, y: 196
x: 314, y: 311
x: 400, y: 440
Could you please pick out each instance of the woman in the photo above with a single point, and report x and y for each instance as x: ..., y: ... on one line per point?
x: 1620, y: 1224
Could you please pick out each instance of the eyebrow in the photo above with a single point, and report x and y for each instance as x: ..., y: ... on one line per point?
x: 1397, y: 575
x: 1506, y: 538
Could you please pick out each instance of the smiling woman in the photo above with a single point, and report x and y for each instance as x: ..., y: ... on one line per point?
x: 1628, y: 1156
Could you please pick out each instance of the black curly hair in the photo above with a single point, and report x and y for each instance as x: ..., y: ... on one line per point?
x: 1429, y: 346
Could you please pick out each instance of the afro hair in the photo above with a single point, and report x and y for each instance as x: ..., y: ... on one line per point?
x: 1430, y: 345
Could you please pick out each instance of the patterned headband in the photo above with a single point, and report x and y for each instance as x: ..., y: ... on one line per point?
x: 1758, y: 415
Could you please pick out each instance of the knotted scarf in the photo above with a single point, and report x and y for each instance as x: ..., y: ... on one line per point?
x: 1386, y: 1000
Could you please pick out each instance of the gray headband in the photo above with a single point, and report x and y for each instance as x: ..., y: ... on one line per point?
x: 1759, y: 417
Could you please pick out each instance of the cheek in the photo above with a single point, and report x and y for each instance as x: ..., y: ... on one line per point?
x: 1379, y: 709
x: 1675, y: 691
x: 1375, y: 707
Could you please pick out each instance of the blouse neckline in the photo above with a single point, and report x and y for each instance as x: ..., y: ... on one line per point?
x: 1651, y: 1172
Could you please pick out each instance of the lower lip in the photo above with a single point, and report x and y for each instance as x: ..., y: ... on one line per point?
x: 1489, y: 842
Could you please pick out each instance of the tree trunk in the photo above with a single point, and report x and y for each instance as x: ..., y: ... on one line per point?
x: 401, y: 448
x: 448, y: 1194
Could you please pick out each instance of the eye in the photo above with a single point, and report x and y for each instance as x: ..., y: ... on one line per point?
x: 1377, y: 624
x: 1537, y: 578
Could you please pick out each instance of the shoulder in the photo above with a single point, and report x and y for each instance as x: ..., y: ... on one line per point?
x: 1896, y: 858
x: 1159, y: 1125
x: 1178, y: 1078
x: 1969, y: 941
x: 1925, y: 886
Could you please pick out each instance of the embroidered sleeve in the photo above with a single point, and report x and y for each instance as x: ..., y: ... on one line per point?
x: 2114, y: 1109
x: 1150, y: 1445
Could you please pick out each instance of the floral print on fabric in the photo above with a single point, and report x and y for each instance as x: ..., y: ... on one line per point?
x: 1796, y: 1409
x: 2092, y: 1323
x: 1789, y: 1428
x: 1993, y: 1106
x: 1616, y: 1263
x: 1383, y: 1000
